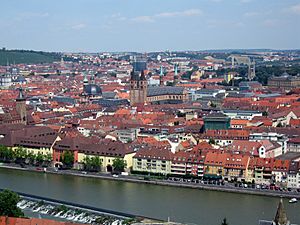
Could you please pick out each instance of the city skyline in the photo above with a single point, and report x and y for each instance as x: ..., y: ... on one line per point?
x: 94, y: 26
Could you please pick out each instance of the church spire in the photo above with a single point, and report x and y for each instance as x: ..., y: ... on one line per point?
x: 175, y: 74
x: 21, y: 106
x: 20, y: 96
x: 161, y: 75
x: 143, y: 75
x: 281, y: 217
x: 85, y: 80
x: 161, y: 71
x: 175, y: 70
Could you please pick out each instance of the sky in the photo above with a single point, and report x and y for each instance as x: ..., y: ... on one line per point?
x: 149, y: 25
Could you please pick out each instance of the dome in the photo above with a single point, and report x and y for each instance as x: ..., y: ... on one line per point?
x: 92, y: 89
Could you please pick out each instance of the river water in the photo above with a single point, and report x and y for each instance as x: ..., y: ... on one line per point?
x: 184, y: 205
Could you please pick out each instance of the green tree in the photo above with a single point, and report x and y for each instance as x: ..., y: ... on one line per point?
x: 211, y: 141
x: 213, y: 105
x: 92, y: 164
x: 48, y: 158
x: 68, y: 159
x: 8, y: 204
x: 119, y: 165
x: 30, y: 158
x: 39, y: 158
x: 6, y: 154
x: 20, y: 155
x: 224, y: 222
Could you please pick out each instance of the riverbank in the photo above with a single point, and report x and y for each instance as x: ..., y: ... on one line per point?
x: 135, y: 179
x: 69, y: 211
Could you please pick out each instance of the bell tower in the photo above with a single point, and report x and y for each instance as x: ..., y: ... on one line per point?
x: 176, y: 77
x: 21, y: 106
x: 161, y: 75
x: 138, y: 88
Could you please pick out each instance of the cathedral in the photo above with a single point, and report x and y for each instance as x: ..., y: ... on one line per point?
x: 140, y: 93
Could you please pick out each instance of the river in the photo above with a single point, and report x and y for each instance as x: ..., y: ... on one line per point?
x: 184, y: 205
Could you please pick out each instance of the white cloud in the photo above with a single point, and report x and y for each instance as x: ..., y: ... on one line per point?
x: 270, y: 22
x: 190, y: 12
x: 295, y: 9
x: 31, y: 15
x: 185, y: 13
x: 224, y: 23
x: 251, y: 14
x: 143, y: 19
x: 216, y: 0
x: 246, y: 1
x: 79, y: 26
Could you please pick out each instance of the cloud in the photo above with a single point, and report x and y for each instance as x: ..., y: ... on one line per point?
x: 79, y: 26
x: 295, y: 9
x: 246, y: 1
x: 225, y: 24
x: 143, y: 19
x: 270, y: 22
x: 216, y: 0
x: 118, y: 16
x: 251, y: 14
x: 31, y: 15
x: 153, y: 18
x: 190, y: 12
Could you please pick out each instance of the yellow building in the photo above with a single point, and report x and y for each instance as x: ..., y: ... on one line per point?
x: 153, y: 160
x: 107, y: 150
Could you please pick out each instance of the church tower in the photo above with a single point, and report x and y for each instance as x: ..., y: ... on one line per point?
x: 138, y: 88
x: 21, y: 106
x: 161, y: 76
x: 281, y: 217
x: 251, y: 70
x: 176, y: 77
x: 85, y: 80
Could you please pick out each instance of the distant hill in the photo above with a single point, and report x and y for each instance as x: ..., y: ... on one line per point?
x: 27, y: 57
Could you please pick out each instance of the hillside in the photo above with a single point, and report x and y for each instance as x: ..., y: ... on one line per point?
x: 28, y: 57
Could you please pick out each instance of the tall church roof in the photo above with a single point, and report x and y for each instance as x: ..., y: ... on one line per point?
x: 21, y: 96
x: 281, y: 217
x: 164, y: 90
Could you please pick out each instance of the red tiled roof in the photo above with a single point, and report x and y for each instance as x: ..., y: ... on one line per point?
x: 31, y: 221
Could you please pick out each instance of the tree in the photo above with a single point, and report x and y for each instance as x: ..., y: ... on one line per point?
x: 92, y: 164
x: 39, y: 158
x: 6, y: 154
x: 119, y: 165
x: 68, y: 159
x: 30, y: 158
x: 279, y: 124
x: 211, y: 141
x: 20, y: 155
x: 8, y: 204
x: 224, y: 222
x: 48, y: 158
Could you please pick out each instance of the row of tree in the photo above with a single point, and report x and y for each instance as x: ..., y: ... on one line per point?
x: 22, y: 156
x: 94, y: 164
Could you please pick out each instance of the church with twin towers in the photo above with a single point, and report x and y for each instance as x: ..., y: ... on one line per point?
x: 142, y: 93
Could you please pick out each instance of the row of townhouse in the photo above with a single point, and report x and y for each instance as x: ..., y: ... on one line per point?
x: 157, y: 160
x: 107, y: 150
x: 34, y: 139
x: 44, y: 140
x: 273, y: 144
x: 217, y: 164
